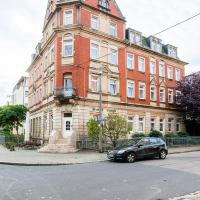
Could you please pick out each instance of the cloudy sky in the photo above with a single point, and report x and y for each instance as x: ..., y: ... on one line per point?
x: 21, y: 25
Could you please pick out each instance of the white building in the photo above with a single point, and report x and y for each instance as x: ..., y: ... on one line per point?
x: 20, y: 97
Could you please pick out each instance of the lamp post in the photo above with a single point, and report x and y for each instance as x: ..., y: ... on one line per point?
x: 100, y: 110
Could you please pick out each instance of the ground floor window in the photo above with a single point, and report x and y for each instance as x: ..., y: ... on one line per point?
x: 161, y: 125
x: 178, y: 125
x: 131, y: 123
x: 170, y: 122
x: 141, y: 124
x: 153, y: 124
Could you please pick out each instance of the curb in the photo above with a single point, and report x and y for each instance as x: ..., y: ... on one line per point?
x: 77, y: 163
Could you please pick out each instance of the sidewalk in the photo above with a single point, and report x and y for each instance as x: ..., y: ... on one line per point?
x: 26, y: 157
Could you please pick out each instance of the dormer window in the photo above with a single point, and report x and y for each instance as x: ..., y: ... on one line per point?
x: 104, y: 4
x: 172, y: 51
x: 155, y: 44
x: 135, y: 37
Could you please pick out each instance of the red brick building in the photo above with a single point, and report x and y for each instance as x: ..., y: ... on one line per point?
x: 83, y: 39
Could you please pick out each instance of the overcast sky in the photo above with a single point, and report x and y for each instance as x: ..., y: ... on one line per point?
x: 21, y: 26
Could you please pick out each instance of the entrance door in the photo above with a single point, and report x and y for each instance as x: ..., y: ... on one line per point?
x: 67, y: 125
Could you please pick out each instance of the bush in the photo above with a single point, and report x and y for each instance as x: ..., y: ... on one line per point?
x: 169, y: 135
x: 10, y: 145
x: 155, y: 133
x: 182, y: 134
x: 138, y: 135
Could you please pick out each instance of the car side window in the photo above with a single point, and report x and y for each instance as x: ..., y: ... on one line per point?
x: 145, y: 142
x: 154, y: 141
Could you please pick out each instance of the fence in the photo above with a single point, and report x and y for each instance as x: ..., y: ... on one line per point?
x: 2, y: 139
x: 87, y: 144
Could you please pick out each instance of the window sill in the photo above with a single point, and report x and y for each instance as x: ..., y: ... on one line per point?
x: 130, y: 98
x: 130, y: 69
x: 141, y: 72
x: 67, y: 56
x: 142, y: 99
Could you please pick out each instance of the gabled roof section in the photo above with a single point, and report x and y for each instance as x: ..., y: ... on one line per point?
x: 109, y: 6
x: 51, y: 6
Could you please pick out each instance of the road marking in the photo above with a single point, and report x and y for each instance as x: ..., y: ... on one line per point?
x: 192, y: 196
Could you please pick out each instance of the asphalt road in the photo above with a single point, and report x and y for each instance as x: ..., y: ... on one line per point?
x: 154, y: 179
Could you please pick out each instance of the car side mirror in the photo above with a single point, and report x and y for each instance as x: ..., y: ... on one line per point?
x: 140, y: 145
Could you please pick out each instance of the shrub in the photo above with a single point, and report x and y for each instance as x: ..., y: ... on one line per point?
x: 10, y: 145
x: 182, y: 134
x: 138, y: 135
x: 155, y: 133
x: 170, y: 135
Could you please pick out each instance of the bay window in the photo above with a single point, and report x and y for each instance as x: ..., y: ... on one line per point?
x: 94, y: 51
x: 68, y: 17
x: 67, y: 48
x: 113, y: 87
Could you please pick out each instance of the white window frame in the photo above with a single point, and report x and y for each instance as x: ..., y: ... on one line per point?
x: 161, y: 69
x: 170, y: 72
x: 142, y: 89
x: 163, y: 125
x: 178, y: 74
x: 162, y: 100
x: 141, y: 121
x: 72, y: 20
x: 130, y: 61
x: 141, y: 63
x: 113, y: 53
x: 91, y: 51
x: 170, y: 124
x: 178, y: 93
x: 131, y: 121
x: 133, y: 89
x: 70, y: 40
x: 153, y: 122
x: 152, y: 66
x: 96, y: 82
x: 170, y: 96
x: 115, y: 81
x: 155, y: 92
x: 112, y: 31
x: 97, y: 22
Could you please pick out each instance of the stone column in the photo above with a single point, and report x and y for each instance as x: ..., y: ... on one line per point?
x: 148, y: 122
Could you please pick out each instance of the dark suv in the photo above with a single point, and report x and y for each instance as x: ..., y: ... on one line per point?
x: 140, y: 148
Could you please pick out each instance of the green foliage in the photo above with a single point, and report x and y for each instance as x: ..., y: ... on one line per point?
x: 138, y: 135
x: 10, y: 145
x: 155, y: 133
x: 93, y: 129
x: 168, y: 135
x: 115, y: 127
x: 182, y: 134
x: 12, y: 116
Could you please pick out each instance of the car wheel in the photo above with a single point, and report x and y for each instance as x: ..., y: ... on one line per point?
x: 162, y: 154
x: 131, y: 157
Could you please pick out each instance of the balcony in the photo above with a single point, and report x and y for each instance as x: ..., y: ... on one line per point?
x: 65, y: 93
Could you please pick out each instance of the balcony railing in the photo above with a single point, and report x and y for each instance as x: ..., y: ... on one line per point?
x: 65, y: 93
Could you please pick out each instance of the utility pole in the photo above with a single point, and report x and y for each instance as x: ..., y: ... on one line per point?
x: 100, y: 110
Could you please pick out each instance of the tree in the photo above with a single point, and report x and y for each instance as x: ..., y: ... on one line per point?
x: 93, y: 129
x: 12, y: 116
x: 189, y: 99
x: 115, y: 128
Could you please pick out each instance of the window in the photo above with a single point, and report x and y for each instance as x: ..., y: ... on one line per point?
x: 68, y: 83
x: 170, y: 122
x: 113, y: 57
x: 153, y: 93
x: 130, y: 61
x: 131, y: 123
x: 178, y: 94
x: 161, y: 125
x: 153, y: 67
x: 141, y: 124
x: 51, y: 86
x: 94, y: 22
x: 142, y: 91
x: 46, y: 62
x: 170, y: 72
x: 172, y: 52
x: 67, y: 48
x: 95, y: 83
x: 178, y: 74
x: 113, y: 87
x: 113, y: 31
x: 52, y: 55
x: 141, y: 64
x: 104, y: 3
x: 135, y: 38
x: 130, y: 89
x: 178, y: 125
x: 162, y: 95
x: 68, y: 17
x: 161, y: 70
x: 153, y: 124
x: 170, y: 96
x: 94, y: 51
